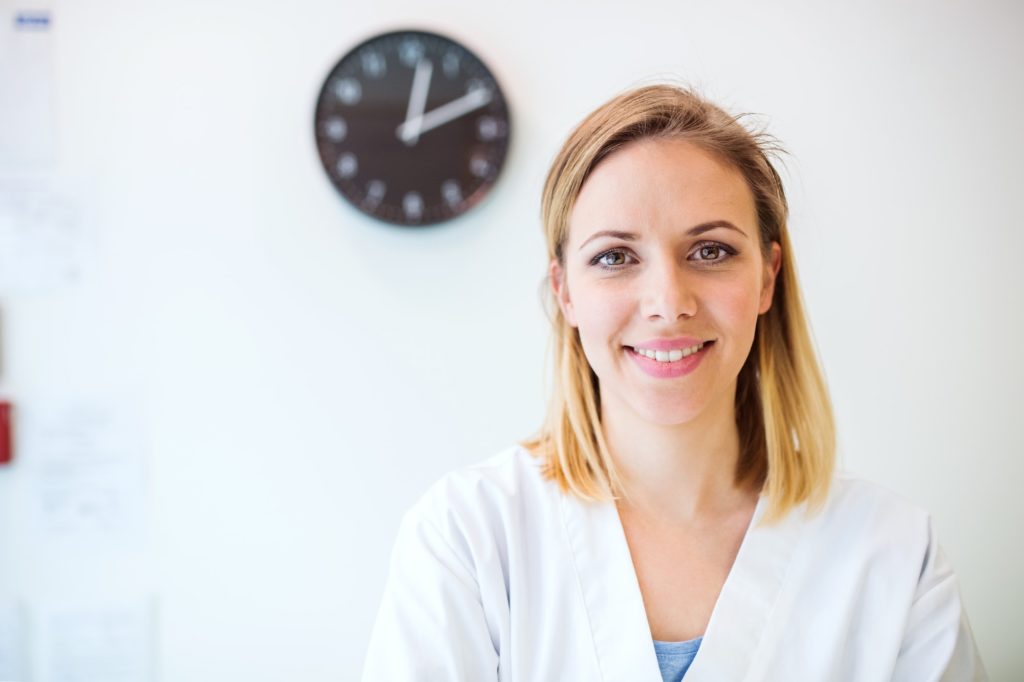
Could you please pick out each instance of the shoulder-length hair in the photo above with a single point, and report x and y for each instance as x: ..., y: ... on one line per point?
x: 783, y: 411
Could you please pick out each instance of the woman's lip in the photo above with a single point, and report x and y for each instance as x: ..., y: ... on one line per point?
x: 669, y: 370
x: 679, y: 343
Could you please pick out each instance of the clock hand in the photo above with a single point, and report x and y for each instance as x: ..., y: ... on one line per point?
x: 417, y: 100
x: 441, y: 115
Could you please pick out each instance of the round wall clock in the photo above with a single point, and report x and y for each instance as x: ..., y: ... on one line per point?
x: 412, y: 128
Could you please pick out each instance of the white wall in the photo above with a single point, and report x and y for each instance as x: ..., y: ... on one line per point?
x: 298, y: 374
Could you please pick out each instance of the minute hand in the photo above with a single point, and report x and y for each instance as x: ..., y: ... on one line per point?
x: 432, y: 119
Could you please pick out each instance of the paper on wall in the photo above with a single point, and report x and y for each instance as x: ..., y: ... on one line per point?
x: 13, y: 642
x: 89, y: 474
x: 27, y: 116
x: 41, y: 228
x: 113, y: 641
x: 44, y: 243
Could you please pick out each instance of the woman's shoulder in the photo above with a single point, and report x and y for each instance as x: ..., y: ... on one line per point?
x: 479, y: 499
x: 503, y: 475
x: 866, y: 516
x: 857, y: 498
x: 851, y: 490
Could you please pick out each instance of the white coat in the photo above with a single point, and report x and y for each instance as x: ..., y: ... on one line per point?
x: 497, y: 575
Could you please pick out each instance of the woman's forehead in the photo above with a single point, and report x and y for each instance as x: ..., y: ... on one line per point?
x: 654, y: 185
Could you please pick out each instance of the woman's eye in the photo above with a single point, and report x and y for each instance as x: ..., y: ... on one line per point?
x: 610, y: 259
x: 713, y: 253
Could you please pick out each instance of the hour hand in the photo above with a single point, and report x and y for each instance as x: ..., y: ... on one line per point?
x: 417, y: 101
x: 474, y: 99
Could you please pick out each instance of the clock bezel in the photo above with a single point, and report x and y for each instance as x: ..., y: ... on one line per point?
x: 468, y: 202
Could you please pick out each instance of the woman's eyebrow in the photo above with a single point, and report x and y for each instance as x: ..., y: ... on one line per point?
x: 693, y: 231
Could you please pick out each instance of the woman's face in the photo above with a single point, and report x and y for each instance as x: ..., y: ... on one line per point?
x: 684, y: 267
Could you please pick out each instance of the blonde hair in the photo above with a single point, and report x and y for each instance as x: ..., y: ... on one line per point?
x: 783, y: 411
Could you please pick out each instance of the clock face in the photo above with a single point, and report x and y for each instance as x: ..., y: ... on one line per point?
x: 412, y: 128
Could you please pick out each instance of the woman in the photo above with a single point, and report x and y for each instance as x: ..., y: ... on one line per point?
x: 679, y: 512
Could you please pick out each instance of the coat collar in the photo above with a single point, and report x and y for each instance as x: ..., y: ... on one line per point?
x: 618, y: 621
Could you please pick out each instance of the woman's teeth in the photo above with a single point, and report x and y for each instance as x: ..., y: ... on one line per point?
x: 668, y: 355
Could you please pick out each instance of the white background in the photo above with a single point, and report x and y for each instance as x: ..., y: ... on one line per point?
x: 300, y: 373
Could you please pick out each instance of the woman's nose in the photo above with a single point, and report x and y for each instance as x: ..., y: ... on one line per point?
x: 668, y: 291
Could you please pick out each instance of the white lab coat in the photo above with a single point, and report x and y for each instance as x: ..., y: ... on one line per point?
x: 497, y: 575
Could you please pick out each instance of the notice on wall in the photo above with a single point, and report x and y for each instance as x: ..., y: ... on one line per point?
x: 45, y: 244
x: 87, y: 464
x: 43, y: 240
x: 13, y: 641
x: 113, y: 641
x: 27, y: 113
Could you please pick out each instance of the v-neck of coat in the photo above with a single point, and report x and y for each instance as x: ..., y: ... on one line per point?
x: 618, y: 621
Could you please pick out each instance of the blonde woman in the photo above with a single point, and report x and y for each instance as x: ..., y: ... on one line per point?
x: 679, y: 514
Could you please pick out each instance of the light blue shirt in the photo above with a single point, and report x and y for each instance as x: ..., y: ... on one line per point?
x: 674, y: 658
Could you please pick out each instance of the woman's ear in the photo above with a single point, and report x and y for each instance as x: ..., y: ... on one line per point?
x: 556, y: 275
x: 771, y: 271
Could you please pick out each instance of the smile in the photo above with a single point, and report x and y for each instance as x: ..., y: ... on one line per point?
x: 669, y: 355
x: 672, y: 363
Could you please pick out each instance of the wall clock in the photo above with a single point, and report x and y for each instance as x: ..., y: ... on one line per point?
x: 412, y: 128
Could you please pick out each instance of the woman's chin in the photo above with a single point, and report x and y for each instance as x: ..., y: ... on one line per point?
x: 670, y: 419
x: 668, y: 413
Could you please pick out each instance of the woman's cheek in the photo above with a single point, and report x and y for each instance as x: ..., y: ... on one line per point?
x: 601, y: 304
x: 738, y: 302
x: 603, y: 319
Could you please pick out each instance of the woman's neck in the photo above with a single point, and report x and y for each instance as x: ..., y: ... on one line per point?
x: 682, y: 474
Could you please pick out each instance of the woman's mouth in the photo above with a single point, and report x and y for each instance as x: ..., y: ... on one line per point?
x: 668, y: 364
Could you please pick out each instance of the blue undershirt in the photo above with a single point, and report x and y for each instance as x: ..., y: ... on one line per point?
x: 674, y: 658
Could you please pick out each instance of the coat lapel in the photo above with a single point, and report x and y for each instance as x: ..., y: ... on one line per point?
x: 611, y: 592
x: 618, y: 622
x: 739, y: 620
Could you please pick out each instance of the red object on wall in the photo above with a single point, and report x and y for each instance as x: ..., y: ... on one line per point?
x: 6, y: 442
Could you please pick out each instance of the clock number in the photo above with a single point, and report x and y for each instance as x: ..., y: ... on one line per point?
x: 336, y: 129
x: 374, y: 65
x: 451, y: 192
x: 348, y: 165
x: 450, y: 64
x: 474, y: 84
x: 487, y: 128
x: 348, y: 90
x: 412, y: 204
x: 375, y: 190
x: 410, y: 52
x: 479, y: 165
